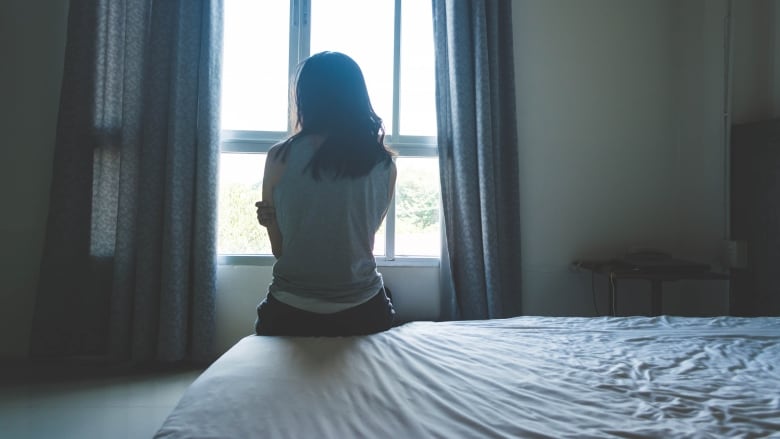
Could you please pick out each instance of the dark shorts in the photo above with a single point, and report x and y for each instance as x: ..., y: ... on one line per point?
x: 277, y: 318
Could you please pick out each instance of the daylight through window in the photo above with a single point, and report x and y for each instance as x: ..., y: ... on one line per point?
x: 392, y: 41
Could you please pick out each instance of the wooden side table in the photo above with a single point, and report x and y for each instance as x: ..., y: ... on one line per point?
x: 656, y: 275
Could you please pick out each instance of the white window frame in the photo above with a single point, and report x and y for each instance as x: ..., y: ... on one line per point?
x: 260, y: 142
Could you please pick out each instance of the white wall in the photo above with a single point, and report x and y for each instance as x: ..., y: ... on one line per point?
x: 756, y: 52
x: 776, y: 58
x: 753, y: 23
x: 32, y: 43
x: 620, y: 143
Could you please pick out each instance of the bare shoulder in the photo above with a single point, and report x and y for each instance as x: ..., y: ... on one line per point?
x: 274, y: 166
x: 393, y: 169
x: 393, y: 176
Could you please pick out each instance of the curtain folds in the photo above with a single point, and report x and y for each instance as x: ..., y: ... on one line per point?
x: 129, y: 263
x: 478, y: 154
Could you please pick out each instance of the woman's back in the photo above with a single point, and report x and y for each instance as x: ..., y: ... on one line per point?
x: 326, y: 190
x: 327, y: 227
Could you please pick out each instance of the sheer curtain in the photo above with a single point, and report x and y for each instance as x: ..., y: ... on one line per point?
x: 478, y: 157
x: 129, y: 262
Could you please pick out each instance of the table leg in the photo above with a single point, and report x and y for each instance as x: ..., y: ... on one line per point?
x: 656, y: 298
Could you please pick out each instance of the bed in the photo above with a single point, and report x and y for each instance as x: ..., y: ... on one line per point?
x: 520, y: 377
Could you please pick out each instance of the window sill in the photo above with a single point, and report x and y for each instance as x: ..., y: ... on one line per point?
x: 268, y: 261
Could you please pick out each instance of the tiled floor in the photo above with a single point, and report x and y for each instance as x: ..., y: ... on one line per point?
x: 105, y: 405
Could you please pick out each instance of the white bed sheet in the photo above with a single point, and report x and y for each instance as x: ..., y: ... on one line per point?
x: 520, y: 377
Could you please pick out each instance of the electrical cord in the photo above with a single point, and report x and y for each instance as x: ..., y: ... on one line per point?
x: 613, y: 288
x: 593, y: 291
x: 578, y: 265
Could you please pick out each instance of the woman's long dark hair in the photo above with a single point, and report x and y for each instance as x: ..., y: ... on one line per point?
x: 330, y: 98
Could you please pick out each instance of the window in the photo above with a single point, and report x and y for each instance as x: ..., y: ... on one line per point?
x: 392, y: 41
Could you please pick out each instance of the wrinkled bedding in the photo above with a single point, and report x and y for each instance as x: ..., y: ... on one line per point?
x: 520, y: 377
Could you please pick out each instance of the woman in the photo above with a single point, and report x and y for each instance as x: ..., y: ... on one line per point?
x: 326, y: 191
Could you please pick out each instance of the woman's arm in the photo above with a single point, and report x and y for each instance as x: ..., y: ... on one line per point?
x: 266, y: 213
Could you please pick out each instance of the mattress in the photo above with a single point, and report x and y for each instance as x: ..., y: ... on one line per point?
x: 519, y: 377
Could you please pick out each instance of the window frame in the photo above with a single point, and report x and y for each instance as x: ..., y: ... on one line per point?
x: 260, y: 142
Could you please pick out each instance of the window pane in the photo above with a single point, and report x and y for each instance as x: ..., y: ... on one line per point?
x: 418, y: 95
x: 240, y: 187
x: 364, y: 31
x: 255, y: 73
x: 417, y: 207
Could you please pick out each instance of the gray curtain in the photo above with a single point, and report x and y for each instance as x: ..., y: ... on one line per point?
x: 129, y: 263
x: 478, y: 155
